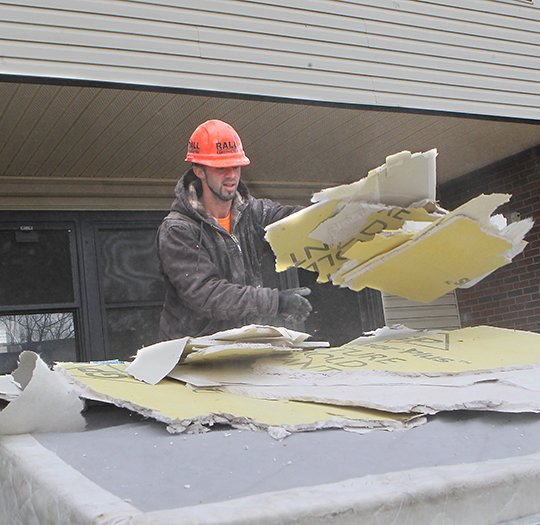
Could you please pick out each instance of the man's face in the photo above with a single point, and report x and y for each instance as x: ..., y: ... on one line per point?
x: 222, y: 182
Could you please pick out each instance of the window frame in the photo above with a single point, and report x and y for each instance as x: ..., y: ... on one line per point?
x: 15, y: 222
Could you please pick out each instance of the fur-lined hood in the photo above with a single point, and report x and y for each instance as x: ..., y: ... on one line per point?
x: 188, y: 193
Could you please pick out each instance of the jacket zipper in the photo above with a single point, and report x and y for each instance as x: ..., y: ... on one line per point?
x: 236, y: 241
x: 231, y: 235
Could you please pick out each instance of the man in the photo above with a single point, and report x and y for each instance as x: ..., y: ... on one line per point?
x: 211, y: 243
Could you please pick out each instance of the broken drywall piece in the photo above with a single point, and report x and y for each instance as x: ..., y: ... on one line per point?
x: 9, y: 390
x: 527, y: 378
x: 278, y: 433
x: 248, y: 342
x: 347, y: 220
x: 362, y: 220
x: 428, y: 353
x: 182, y: 408
x: 396, y: 370
x: 386, y: 232
x: 386, y: 332
x: 154, y: 362
x: 290, y: 241
x: 481, y: 208
x: 253, y: 332
x: 236, y: 351
x: 423, y: 399
x: 396, y: 186
x: 46, y: 403
x: 361, y: 253
x: 514, y: 233
x: 437, y: 259
x: 396, y: 355
x: 425, y: 372
x: 434, y: 262
x: 217, y: 376
x: 403, y: 179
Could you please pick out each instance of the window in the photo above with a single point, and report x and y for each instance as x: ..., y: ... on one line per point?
x: 39, y: 300
x: 35, y: 266
x: 50, y: 334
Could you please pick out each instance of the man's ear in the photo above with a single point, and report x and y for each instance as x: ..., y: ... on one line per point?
x: 199, y: 171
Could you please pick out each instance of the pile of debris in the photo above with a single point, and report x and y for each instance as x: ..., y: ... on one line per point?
x: 389, y: 380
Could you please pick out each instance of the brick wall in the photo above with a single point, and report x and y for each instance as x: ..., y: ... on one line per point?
x: 510, y: 297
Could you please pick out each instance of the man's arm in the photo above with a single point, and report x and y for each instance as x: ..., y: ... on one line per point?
x: 191, y: 271
x: 271, y: 211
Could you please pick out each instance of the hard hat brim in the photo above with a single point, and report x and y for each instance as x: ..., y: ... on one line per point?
x: 218, y: 161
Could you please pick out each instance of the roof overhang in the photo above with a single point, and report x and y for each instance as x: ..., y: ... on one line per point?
x: 102, y: 147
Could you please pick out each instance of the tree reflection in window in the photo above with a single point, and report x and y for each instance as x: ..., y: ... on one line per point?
x: 35, y: 328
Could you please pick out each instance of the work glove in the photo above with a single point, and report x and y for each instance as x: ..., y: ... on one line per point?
x: 293, y: 304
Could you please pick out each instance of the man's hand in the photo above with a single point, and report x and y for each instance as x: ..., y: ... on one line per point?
x: 293, y: 304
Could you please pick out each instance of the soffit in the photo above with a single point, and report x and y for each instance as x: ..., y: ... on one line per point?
x: 51, y: 131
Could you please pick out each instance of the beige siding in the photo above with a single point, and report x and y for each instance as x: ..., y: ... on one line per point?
x: 479, y: 57
x: 442, y: 313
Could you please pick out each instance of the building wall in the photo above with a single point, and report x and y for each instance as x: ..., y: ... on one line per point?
x: 467, y: 56
x: 510, y: 297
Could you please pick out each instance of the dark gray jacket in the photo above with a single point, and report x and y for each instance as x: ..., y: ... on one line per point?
x: 213, y: 279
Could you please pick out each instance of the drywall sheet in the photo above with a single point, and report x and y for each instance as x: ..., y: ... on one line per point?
x: 235, y: 373
x: 293, y: 244
x: 434, y: 262
x: 290, y: 241
x: 154, y: 362
x: 362, y: 252
x: 236, y: 351
x: 480, y: 368
x: 431, y: 353
x: 248, y: 342
x: 46, y: 402
x: 362, y: 221
x: 391, y: 357
x: 437, y: 258
x: 253, y: 332
x: 404, y: 178
x: 399, y: 398
x: 193, y: 410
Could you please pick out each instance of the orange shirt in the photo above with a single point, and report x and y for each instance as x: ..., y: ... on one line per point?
x: 225, y: 222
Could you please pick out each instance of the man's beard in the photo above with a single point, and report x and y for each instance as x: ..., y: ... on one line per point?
x: 228, y: 196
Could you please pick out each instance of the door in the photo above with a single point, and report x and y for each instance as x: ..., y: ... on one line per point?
x: 129, y: 292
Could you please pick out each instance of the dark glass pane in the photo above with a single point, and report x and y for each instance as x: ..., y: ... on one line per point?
x: 51, y: 335
x: 336, y: 313
x: 268, y: 268
x: 129, y: 266
x: 35, y: 267
x: 130, y: 329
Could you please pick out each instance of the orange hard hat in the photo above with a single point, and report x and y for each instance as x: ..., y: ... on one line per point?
x: 216, y: 144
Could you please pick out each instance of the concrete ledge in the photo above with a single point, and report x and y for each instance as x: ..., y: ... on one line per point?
x: 477, y: 493
x: 37, y: 485
x: 56, y: 194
